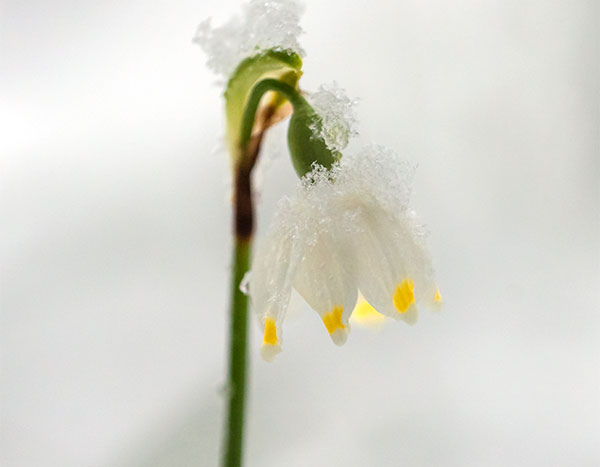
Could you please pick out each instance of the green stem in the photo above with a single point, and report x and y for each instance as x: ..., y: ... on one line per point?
x: 243, y: 229
x: 237, y: 356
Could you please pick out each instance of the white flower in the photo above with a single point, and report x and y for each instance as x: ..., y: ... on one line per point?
x: 346, y: 229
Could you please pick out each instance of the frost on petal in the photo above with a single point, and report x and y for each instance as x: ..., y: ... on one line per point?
x: 338, y: 118
x: 379, y: 174
x: 263, y: 25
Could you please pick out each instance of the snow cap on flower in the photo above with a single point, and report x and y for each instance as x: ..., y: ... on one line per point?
x: 347, y: 228
x: 258, y: 45
x: 262, y: 26
x: 338, y: 115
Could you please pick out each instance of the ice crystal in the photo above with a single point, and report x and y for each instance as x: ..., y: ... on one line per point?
x: 263, y: 25
x: 338, y: 117
x: 378, y: 172
x: 375, y: 172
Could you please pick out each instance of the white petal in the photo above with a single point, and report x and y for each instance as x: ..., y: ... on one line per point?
x: 417, y: 265
x: 371, y: 260
x: 320, y: 275
x: 270, y: 286
x: 385, y: 259
x: 323, y: 282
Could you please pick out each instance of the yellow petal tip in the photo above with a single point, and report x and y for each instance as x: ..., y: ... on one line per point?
x: 404, y: 296
x: 270, y: 336
x: 333, y: 320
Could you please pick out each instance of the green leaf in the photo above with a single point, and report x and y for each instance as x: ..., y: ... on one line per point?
x: 282, y: 65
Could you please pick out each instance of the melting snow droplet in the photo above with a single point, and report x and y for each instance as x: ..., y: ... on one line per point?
x: 245, y: 284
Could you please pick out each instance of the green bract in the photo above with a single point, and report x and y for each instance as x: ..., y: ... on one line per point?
x: 281, y: 65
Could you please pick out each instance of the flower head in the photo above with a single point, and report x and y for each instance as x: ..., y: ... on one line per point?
x: 346, y: 229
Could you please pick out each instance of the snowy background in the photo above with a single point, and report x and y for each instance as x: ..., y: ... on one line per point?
x: 115, y: 240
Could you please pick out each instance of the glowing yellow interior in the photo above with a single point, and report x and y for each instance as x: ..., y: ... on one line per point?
x: 270, y: 337
x: 404, y: 296
x: 333, y: 319
x: 364, y: 313
x: 438, y: 296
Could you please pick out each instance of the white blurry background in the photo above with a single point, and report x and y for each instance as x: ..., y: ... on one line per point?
x: 115, y: 240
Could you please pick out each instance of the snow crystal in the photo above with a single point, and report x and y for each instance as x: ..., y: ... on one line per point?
x: 378, y: 172
x: 338, y: 117
x: 374, y: 173
x: 263, y: 25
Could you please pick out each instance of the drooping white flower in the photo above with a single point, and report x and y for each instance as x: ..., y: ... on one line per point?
x: 345, y: 229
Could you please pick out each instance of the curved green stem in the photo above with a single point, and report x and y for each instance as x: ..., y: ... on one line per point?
x: 256, y: 95
x: 305, y: 148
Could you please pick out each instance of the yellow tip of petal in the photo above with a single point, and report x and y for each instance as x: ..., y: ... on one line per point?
x: 270, y: 337
x: 438, y: 301
x: 404, y: 296
x: 270, y: 345
x: 333, y: 320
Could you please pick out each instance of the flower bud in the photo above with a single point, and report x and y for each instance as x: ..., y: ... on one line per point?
x: 305, y: 144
